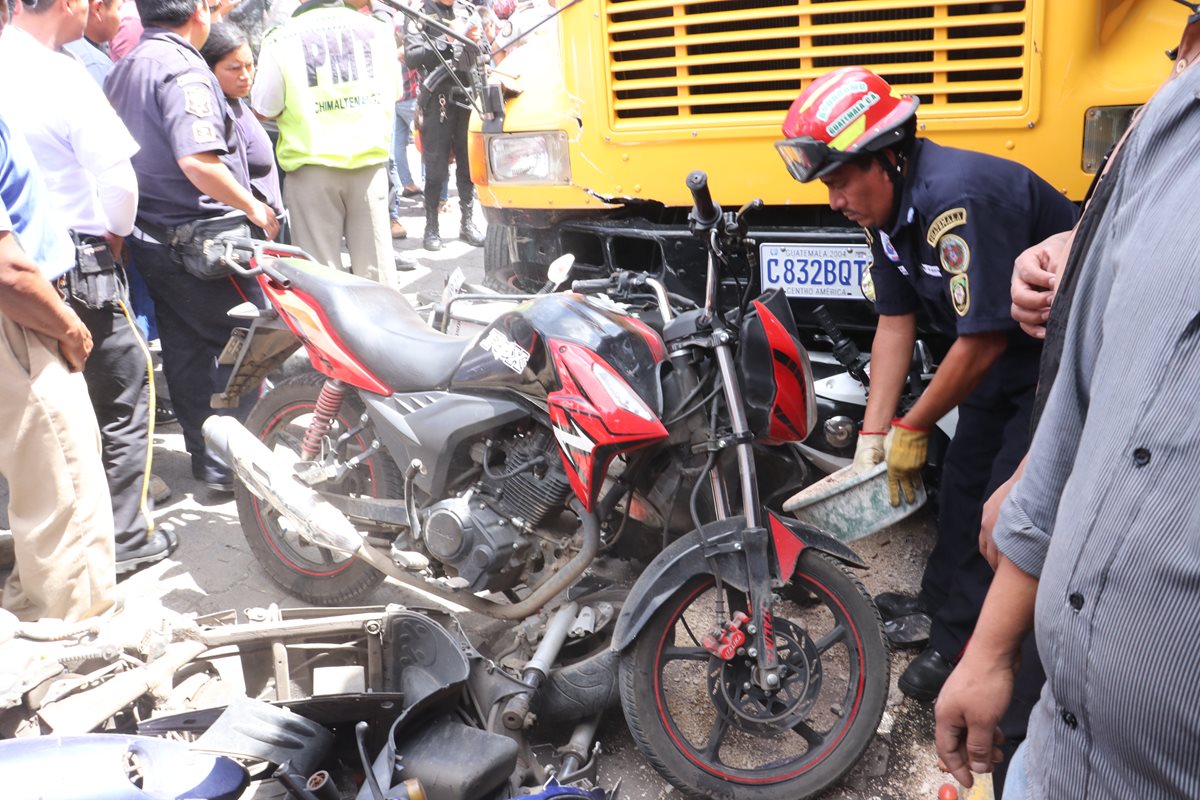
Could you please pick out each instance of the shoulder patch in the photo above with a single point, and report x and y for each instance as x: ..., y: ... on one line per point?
x: 954, y: 254
x: 198, y: 100
x: 189, y: 78
x: 888, y: 248
x: 867, y: 284
x: 204, y: 132
x: 945, y: 222
x: 960, y: 294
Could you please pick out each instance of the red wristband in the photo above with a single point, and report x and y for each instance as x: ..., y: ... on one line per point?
x: 899, y: 423
x: 872, y: 433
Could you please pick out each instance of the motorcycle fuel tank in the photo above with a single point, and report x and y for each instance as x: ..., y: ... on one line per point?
x: 513, y: 353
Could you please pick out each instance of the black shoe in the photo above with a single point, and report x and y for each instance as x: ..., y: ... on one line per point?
x: 893, y: 605
x: 405, y: 263
x: 431, y: 241
x: 926, y: 675
x: 909, y: 631
x: 415, y: 191
x: 158, y: 547
x: 163, y: 413
x: 470, y: 234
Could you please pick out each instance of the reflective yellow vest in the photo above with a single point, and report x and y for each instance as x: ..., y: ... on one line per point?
x: 341, y: 81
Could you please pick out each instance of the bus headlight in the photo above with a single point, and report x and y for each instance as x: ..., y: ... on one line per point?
x: 536, y: 158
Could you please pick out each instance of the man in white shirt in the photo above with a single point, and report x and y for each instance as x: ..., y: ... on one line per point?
x: 83, y: 151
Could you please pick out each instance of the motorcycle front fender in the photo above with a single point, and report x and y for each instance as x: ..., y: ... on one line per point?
x: 684, y: 559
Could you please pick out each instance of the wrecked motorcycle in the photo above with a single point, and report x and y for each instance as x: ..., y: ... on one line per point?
x: 307, y: 704
x: 512, y: 472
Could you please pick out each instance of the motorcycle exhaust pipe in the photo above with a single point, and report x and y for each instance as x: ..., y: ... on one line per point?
x: 315, y: 518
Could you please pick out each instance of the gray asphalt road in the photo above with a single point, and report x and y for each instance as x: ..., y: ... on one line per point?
x: 214, y: 571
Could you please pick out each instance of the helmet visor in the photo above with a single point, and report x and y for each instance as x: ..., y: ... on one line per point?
x: 807, y: 158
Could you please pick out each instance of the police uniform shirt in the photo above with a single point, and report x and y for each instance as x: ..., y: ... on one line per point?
x: 71, y: 128
x: 172, y: 104
x: 963, y: 219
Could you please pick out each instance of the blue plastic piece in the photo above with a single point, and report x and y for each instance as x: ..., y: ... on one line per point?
x: 104, y: 766
x: 556, y: 790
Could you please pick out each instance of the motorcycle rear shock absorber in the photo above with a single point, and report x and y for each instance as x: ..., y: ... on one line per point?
x: 329, y: 403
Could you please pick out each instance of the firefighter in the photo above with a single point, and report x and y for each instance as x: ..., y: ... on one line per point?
x: 944, y: 226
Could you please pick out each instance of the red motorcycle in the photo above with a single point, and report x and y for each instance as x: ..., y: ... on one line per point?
x: 518, y: 472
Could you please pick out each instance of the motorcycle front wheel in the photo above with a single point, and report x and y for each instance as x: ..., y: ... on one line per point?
x: 709, y: 729
x: 302, y: 569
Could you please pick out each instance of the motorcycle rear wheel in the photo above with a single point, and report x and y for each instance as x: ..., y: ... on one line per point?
x: 302, y: 569
x: 712, y: 733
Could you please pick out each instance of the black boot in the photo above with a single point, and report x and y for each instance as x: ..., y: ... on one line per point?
x: 467, y: 231
x: 431, y: 241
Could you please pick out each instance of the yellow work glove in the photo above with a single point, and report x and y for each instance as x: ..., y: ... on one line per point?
x: 868, y: 452
x: 906, y: 456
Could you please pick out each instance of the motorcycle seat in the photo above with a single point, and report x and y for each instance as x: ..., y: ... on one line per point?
x: 379, y: 327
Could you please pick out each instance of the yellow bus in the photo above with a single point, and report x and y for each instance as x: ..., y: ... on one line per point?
x: 614, y: 102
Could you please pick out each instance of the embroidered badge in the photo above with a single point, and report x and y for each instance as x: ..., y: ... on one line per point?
x: 197, y: 100
x: 931, y: 270
x: 944, y: 223
x: 867, y: 284
x: 889, y: 248
x: 954, y: 254
x: 960, y: 294
x: 204, y: 132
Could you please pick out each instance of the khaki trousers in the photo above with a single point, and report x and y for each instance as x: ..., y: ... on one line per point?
x: 59, y: 506
x: 327, y: 204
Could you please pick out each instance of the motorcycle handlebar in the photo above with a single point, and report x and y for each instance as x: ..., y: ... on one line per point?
x: 596, y: 285
x: 705, y: 212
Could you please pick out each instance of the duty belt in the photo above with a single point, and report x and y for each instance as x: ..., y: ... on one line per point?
x: 97, y: 281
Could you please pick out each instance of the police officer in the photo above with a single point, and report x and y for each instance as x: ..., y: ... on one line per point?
x: 445, y: 112
x: 84, y: 151
x: 945, y: 226
x: 190, y: 167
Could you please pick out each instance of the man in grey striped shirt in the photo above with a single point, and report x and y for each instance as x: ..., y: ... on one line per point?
x: 1103, y: 530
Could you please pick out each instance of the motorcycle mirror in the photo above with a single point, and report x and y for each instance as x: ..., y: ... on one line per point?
x: 560, y: 269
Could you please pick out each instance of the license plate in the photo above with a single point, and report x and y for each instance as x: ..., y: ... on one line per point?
x: 815, y: 270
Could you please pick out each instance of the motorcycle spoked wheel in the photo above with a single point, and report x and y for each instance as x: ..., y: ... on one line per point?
x: 302, y: 569
x: 696, y: 721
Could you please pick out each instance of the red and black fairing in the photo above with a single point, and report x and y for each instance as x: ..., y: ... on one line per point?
x: 307, y: 317
x: 594, y: 370
x: 780, y: 401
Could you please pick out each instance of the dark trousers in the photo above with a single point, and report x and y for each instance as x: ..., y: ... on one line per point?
x: 990, y: 441
x: 444, y: 132
x: 117, y: 375
x: 194, y: 325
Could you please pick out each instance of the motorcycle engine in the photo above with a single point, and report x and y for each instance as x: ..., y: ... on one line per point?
x: 480, y: 534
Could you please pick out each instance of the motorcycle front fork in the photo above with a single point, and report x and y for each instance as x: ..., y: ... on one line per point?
x: 755, y: 544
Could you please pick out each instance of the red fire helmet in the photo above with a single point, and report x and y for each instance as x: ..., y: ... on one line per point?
x: 845, y: 112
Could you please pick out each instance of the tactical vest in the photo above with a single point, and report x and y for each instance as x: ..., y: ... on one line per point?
x: 339, y: 73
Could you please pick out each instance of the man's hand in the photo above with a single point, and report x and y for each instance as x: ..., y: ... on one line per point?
x: 75, y: 344
x: 907, y: 453
x: 991, y: 512
x: 867, y: 452
x: 263, y: 216
x: 1034, y: 279
x: 967, y: 714
x: 116, y: 246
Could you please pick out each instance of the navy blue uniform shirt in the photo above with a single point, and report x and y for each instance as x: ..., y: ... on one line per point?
x: 171, y: 102
x: 964, y: 218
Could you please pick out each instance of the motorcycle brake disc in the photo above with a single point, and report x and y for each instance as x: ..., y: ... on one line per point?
x: 755, y: 710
